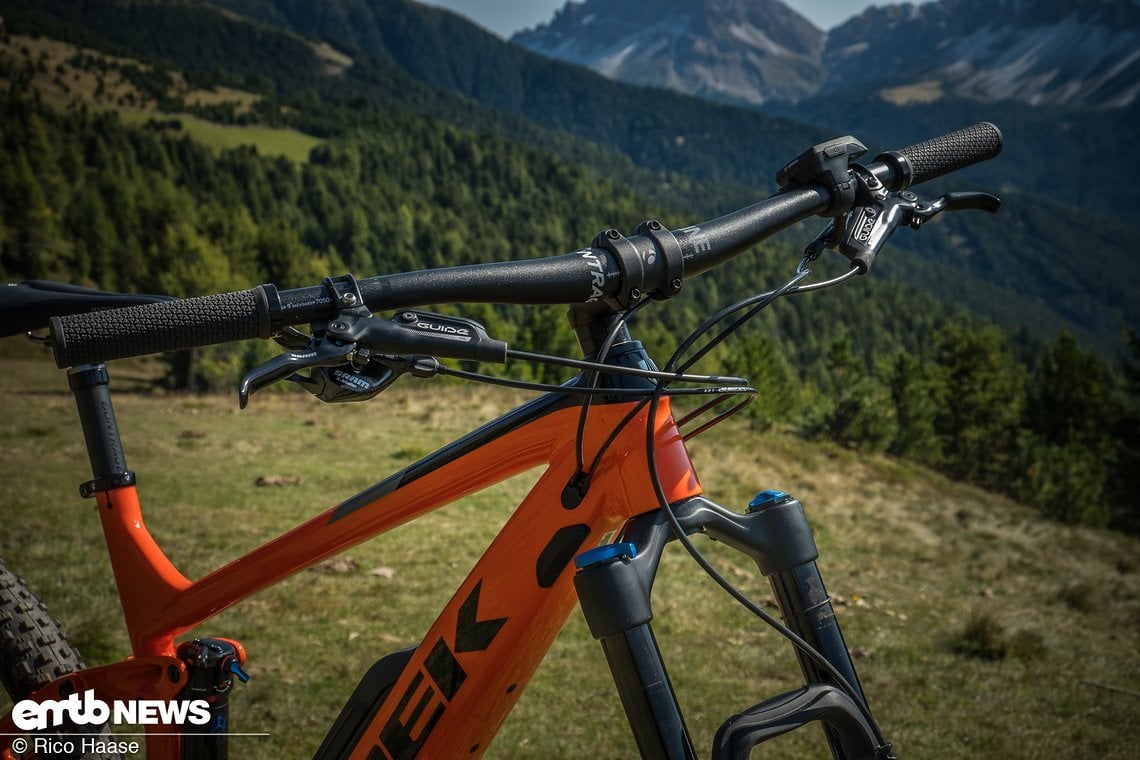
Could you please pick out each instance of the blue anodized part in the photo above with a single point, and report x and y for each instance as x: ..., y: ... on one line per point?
x: 767, y: 499
x: 607, y: 552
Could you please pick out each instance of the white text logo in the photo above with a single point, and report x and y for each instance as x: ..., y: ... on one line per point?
x: 89, y: 710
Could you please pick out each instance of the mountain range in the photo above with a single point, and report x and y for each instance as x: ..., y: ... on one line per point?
x: 728, y: 50
x: 1082, y: 53
x: 1063, y: 173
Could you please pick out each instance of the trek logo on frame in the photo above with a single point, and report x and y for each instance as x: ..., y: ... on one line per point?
x: 444, y: 671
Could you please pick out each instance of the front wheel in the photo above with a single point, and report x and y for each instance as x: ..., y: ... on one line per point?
x: 34, y: 652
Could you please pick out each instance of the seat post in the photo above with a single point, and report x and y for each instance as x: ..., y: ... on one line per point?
x: 90, y: 384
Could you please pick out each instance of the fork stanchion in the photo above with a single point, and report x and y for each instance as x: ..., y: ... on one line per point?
x: 799, y: 591
x: 614, y: 596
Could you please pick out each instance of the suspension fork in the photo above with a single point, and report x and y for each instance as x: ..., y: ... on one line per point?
x: 614, y: 584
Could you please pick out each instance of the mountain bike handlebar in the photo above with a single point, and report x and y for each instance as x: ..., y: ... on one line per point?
x: 614, y: 269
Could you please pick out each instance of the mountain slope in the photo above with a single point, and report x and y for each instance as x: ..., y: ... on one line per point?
x: 1070, y: 53
x: 657, y: 129
x: 391, y: 191
x: 726, y: 50
x: 717, y: 143
x: 910, y: 558
x: 1061, y: 52
x: 428, y: 50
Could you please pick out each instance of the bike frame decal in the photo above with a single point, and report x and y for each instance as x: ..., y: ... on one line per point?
x: 489, y: 639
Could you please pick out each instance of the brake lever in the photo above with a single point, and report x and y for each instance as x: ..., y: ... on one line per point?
x: 319, y: 353
x: 970, y: 200
x: 364, y: 377
x: 879, y: 212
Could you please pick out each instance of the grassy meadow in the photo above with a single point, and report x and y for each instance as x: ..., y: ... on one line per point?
x: 979, y: 629
x: 67, y: 74
x: 269, y: 141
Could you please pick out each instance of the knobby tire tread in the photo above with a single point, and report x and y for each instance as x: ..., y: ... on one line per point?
x: 34, y: 651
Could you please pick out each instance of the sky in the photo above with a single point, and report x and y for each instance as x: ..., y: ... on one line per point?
x: 505, y: 17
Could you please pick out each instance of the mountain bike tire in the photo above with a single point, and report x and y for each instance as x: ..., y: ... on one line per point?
x: 34, y: 651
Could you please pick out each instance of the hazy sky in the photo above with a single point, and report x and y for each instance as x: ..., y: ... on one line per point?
x: 505, y: 17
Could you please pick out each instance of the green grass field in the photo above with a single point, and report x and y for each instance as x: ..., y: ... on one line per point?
x: 289, y: 143
x: 69, y: 84
x: 923, y: 572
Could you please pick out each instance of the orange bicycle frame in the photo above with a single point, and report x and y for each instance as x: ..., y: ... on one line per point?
x: 458, y: 686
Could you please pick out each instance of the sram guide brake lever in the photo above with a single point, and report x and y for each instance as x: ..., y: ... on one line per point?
x: 877, y: 212
x: 355, y: 355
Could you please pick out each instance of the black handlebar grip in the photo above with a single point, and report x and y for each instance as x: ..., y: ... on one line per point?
x: 942, y: 155
x: 98, y: 336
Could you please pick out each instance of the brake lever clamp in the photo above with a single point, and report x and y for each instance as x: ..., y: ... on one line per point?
x: 877, y: 213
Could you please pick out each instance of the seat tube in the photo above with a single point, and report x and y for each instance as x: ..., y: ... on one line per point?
x: 613, y: 585
x: 90, y: 384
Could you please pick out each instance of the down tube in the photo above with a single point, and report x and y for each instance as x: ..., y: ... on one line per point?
x: 477, y: 658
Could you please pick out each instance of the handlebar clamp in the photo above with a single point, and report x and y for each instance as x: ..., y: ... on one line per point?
x: 669, y: 249
x: 640, y: 271
x: 629, y: 262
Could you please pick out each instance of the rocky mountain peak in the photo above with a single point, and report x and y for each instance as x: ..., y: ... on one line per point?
x: 1083, y: 53
x: 730, y: 50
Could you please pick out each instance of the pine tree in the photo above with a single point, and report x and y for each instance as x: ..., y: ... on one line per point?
x: 1066, y: 448
x: 915, y: 396
x: 858, y: 412
x: 1123, y: 490
x: 981, y: 394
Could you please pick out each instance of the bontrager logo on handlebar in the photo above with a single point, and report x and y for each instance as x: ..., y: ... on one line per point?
x: 597, y: 274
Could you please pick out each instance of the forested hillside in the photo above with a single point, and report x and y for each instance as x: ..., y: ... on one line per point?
x: 1049, y: 158
x: 678, y: 150
x: 90, y: 192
